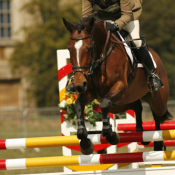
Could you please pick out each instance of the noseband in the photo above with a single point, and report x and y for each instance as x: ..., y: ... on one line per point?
x: 90, y: 66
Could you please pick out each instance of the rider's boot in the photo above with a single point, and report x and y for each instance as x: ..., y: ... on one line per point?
x: 153, y: 80
x: 70, y: 87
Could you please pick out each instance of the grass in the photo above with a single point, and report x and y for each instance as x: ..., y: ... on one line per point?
x: 14, y: 127
x: 40, y: 127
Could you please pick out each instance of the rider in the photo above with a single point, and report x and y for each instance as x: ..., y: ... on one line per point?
x: 125, y: 15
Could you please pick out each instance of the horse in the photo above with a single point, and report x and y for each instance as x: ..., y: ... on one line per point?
x: 102, y: 71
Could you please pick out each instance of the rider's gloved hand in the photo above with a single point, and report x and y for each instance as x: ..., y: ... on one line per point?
x: 112, y: 26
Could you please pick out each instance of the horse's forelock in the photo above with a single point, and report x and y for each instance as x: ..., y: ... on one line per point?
x: 79, y: 27
x: 84, y: 24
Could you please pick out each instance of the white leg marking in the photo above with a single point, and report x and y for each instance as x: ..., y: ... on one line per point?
x: 78, y: 45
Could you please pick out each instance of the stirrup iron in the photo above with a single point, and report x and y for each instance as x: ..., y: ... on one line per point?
x: 154, y: 82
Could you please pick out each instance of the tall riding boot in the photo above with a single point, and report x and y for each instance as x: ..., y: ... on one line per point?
x: 70, y: 87
x: 153, y: 80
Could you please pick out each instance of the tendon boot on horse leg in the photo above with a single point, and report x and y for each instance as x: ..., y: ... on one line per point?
x: 153, y: 80
x: 111, y: 137
x: 70, y: 87
x: 86, y: 145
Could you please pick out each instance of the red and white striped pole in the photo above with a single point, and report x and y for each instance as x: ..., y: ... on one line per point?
x: 147, y: 126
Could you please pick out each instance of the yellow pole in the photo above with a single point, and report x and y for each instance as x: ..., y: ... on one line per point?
x: 52, y: 141
x: 51, y: 161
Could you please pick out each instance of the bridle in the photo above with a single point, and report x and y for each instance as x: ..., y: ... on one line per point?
x: 90, y: 66
x: 94, y: 63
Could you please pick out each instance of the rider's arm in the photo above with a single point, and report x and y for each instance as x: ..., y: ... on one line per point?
x: 126, y: 13
x: 86, y: 8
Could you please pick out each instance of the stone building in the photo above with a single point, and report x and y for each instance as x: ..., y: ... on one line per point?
x: 11, y: 21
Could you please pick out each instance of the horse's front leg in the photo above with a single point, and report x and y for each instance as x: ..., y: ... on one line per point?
x: 115, y: 94
x: 85, y: 143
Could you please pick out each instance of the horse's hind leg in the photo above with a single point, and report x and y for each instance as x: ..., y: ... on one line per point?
x: 137, y: 107
x: 158, y: 145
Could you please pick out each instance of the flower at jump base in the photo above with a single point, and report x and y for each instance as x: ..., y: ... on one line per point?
x: 65, y: 96
x: 69, y: 101
x: 73, y: 96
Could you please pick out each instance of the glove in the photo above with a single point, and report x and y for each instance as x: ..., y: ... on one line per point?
x: 112, y: 26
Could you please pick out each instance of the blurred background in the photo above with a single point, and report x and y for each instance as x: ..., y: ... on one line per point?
x: 30, y: 33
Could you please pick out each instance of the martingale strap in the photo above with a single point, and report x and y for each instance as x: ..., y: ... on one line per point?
x: 105, y: 53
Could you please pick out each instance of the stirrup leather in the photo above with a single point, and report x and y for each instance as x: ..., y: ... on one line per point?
x: 154, y: 82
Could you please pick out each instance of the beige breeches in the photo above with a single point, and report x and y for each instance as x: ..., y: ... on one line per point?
x: 133, y: 28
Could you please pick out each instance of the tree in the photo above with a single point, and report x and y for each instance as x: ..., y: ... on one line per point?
x: 157, y: 25
x: 35, y: 57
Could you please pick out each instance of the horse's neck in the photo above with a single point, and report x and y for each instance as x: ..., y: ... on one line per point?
x: 119, y: 56
x: 99, y: 35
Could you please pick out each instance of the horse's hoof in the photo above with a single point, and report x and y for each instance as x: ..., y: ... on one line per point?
x: 86, y: 146
x: 145, y: 143
x: 107, y: 131
x: 159, y: 146
x: 113, y: 139
x: 139, y: 129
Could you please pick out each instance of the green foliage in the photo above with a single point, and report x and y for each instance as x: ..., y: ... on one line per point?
x: 35, y: 57
x: 157, y: 25
x: 90, y: 115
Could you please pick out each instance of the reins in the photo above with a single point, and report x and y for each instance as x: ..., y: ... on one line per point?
x: 117, y: 41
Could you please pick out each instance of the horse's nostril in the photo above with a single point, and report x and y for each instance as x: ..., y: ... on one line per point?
x: 79, y: 89
x: 84, y: 84
x: 82, y: 88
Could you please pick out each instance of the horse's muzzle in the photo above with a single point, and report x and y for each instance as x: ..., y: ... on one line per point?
x: 81, y: 88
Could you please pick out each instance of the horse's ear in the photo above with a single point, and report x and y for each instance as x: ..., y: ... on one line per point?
x: 69, y: 26
x: 90, y: 24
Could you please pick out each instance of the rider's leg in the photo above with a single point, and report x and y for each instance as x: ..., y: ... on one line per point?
x: 153, y: 80
x: 134, y: 30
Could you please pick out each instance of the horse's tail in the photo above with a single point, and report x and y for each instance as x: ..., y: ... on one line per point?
x: 165, y: 117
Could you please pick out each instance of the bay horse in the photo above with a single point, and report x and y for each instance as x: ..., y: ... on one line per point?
x: 101, y: 71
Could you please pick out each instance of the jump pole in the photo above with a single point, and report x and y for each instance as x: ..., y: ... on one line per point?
x: 93, y: 159
x: 147, y: 126
x: 141, y: 171
x: 39, y: 142
x: 166, y: 143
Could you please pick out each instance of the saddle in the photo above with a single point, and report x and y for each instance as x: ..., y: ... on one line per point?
x: 127, y: 37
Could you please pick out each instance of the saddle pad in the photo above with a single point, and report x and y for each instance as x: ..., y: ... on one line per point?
x: 129, y: 53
